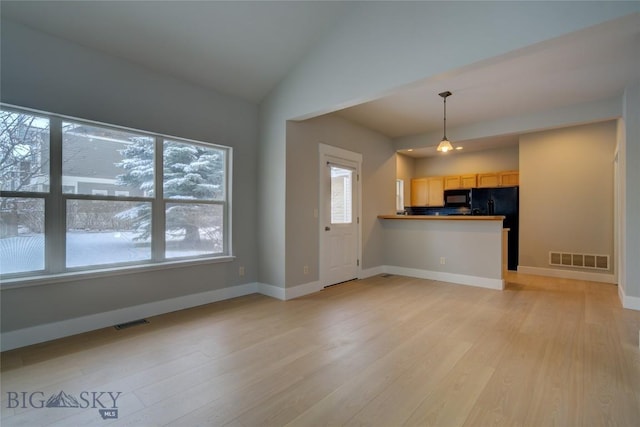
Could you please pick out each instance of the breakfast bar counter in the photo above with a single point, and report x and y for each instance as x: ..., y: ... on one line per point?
x: 462, y: 249
x: 445, y: 217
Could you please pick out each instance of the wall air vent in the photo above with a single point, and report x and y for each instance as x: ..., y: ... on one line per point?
x: 566, y: 259
x: 131, y: 324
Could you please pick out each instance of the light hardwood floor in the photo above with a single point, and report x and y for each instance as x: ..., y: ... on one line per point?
x: 385, y: 351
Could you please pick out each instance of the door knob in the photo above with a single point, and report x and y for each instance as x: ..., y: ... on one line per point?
x: 327, y: 228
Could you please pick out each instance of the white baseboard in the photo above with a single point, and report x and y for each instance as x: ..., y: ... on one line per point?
x: 460, y: 279
x: 632, y: 303
x: 50, y: 331
x: 271, y: 291
x: 568, y: 274
x: 284, y: 294
x: 305, y: 289
x: 370, y: 272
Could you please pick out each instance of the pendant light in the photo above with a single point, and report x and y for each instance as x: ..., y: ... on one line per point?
x: 445, y: 145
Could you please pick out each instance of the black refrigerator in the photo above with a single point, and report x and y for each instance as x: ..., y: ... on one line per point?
x: 500, y: 201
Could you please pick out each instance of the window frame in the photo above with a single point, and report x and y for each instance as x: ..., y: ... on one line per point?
x: 56, y: 199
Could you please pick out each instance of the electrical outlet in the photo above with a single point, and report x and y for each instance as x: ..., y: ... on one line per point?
x: 443, y: 260
x: 241, y: 270
x: 306, y: 269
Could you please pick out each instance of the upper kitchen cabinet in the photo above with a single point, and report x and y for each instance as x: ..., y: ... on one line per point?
x: 468, y: 181
x: 419, y: 192
x: 452, y: 182
x: 509, y: 178
x: 427, y: 191
x: 455, y: 182
x: 499, y: 179
x: 488, y: 179
x: 436, y: 191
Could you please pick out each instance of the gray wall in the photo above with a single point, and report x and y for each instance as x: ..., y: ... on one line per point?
x: 630, y: 177
x: 378, y: 48
x: 53, y: 75
x: 378, y: 190
x: 566, y: 193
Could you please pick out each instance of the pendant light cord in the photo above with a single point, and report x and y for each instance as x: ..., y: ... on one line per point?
x: 444, y: 96
x: 445, y: 118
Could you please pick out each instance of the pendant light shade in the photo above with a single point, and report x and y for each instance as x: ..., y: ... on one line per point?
x: 445, y: 145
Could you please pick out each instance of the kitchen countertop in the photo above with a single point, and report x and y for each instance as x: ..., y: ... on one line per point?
x: 445, y: 217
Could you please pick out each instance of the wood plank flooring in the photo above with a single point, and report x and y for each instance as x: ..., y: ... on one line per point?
x: 385, y: 351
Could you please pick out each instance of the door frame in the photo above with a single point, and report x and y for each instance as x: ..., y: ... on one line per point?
x: 328, y: 153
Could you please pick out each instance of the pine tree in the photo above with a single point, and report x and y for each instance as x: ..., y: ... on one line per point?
x: 138, y: 163
x: 190, y: 172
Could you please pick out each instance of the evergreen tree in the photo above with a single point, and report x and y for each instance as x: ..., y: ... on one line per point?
x: 190, y: 172
x: 138, y: 163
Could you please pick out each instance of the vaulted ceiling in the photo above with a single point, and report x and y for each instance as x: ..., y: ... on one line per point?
x: 246, y: 48
x: 233, y: 47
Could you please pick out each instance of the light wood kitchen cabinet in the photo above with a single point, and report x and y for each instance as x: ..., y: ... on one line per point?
x: 435, y: 196
x: 452, y: 182
x: 488, y: 180
x: 455, y: 182
x: 427, y: 191
x: 468, y: 181
x: 419, y: 192
x: 509, y: 178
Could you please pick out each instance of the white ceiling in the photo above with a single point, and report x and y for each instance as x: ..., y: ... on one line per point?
x: 246, y: 48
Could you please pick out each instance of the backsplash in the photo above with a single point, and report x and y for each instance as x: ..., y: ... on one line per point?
x: 428, y: 210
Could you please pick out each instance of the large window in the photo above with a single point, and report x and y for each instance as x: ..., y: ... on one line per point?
x: 82, y: 196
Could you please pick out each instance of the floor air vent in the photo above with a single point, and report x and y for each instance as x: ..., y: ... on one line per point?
x: 386, y: 275
x: 131, y: 324
x: 598, y: 262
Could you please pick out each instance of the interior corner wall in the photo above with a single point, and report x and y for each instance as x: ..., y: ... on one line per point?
x: 631, y: 141
x: 303, y: 186
x: 271, y: 186
x: 566, y: 193
x: 50, y: 74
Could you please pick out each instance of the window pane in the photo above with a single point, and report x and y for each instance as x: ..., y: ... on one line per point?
x: 193, y: 229
x: 341, y: 191
x: 107, y: 232
x: 98, y: 160
x: 21, y: 235
x: 193, y: 171
x: 399, y: 195
x: 24, y: 152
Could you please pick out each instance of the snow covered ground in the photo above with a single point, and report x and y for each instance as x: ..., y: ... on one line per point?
x: 26, y: 253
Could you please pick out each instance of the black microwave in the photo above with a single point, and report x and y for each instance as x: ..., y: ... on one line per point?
x: 457, y: 198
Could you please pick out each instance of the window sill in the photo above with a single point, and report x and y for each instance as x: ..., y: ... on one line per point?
x: 23, y: 282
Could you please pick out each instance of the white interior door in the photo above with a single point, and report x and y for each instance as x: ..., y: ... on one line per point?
x: 340, y: 241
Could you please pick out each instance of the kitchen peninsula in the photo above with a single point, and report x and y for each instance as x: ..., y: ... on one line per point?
x: 463, y: 249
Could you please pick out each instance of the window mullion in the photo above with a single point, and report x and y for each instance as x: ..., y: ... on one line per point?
x: 226, y: 211
x: 55, y: 204
x: 158, y: 243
